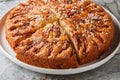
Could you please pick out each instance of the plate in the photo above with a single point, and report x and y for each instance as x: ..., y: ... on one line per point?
x: 8, y: 51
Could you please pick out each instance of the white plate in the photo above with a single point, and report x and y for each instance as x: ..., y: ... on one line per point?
x: 4, y: 46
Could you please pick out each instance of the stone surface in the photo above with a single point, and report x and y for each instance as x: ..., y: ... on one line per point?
x: 108, y: 71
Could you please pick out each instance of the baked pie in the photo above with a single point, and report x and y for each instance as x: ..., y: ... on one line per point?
x: 59, y: 34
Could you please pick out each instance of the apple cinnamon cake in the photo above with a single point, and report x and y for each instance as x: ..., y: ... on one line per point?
x: 59, y: 34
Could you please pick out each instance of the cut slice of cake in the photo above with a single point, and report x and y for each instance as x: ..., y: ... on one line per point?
x: 48, y: 47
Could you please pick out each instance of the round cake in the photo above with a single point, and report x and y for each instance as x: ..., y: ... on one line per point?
x: 59, y: 34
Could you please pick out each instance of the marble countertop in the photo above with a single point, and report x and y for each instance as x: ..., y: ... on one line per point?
x: 108, y: 71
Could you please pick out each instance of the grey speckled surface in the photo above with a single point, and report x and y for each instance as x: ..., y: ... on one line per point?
x: 108, y: 71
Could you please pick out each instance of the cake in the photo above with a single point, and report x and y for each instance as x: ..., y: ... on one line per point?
x: 59, y: 34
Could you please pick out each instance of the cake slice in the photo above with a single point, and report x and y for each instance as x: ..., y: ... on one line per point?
x: 48, y: 47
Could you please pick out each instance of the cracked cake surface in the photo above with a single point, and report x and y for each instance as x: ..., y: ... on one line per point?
x: 59, y: 34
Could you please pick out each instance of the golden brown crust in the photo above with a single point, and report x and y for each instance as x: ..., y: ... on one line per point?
x: 48, y: 46
x: 91, y: 30
x: 55, y: 33
x: 25, y: 19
